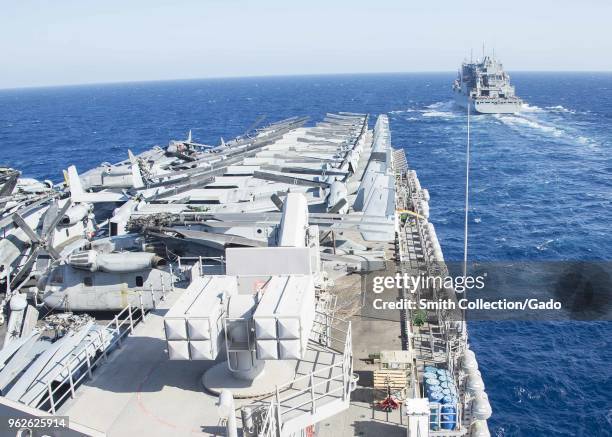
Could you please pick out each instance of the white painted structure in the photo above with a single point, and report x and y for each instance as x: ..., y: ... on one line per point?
x: 271, y: 289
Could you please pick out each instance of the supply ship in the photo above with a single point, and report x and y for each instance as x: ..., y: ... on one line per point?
x: 199, y: 289
x: 485, y: 86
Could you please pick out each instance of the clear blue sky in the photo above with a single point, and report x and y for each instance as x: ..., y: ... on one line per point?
x: 55, y: 42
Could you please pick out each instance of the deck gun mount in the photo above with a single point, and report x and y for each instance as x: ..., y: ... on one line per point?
x: 261, y: 312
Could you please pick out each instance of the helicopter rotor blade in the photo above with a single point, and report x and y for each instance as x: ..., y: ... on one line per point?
x: 19, y: 221
x: 49, y: 216
x: 338, y: 206
x: 53, y: 252
x: 57, y: 218
x: 25, y: 269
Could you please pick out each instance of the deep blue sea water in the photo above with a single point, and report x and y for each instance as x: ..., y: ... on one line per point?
x: 541, y: 190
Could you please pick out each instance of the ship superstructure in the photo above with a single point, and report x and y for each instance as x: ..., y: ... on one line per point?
x: 235, y: 275
x: 485, y: 86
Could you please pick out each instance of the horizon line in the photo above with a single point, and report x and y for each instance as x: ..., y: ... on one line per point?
x: 266, y: 76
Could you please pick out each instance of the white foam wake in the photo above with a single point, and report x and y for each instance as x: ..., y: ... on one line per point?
x: 526, y: 107
x: 536, y: 124
x: 560, y: 109
x: 516, y: 120
x: 402, y: 111
x: 446, y: 109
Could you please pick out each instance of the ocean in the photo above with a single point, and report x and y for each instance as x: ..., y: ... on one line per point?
x: 541, y: 186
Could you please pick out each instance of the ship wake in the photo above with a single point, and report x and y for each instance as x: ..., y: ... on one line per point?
x: 437, y: 110
x: 446, y: 109
x: 554, y: 122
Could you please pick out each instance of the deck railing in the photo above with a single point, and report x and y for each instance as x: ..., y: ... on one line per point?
x: 82, y: 365
x: 337, y: 384
x: 269, y: 423
x: 444, y: 419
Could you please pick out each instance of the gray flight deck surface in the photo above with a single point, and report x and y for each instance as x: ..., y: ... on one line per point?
x: 139, y: 387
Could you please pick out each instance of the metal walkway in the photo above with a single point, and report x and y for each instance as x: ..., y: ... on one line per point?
x: 321, y: 389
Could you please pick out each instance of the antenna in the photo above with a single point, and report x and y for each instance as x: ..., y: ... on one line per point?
x: 483, y: 50
x: 471, y: 56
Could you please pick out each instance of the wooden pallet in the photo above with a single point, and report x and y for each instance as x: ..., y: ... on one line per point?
x: 394, y: 378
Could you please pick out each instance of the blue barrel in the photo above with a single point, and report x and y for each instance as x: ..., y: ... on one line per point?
x: 432, y: 385
x: 449, y: 412
x: 432, y: 389
x: 441, y: 372
x: 432, y: 381
x: 434, y: 417
x: 430, y: 375
x: 431, y: 369
x: 436, y: 396
x: 442, y: 378
x: 451, y: 399
x: 447, y: 384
